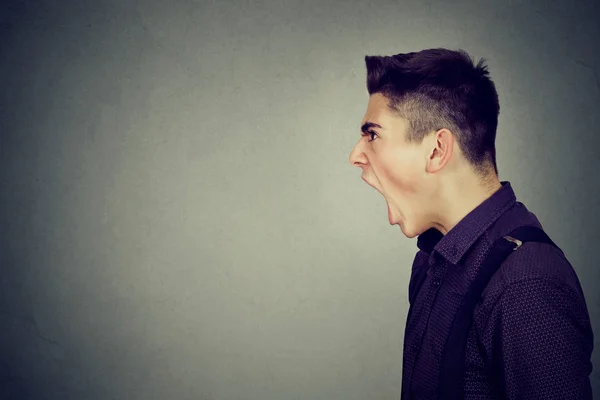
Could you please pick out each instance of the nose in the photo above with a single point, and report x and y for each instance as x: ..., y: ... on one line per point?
x: 357, y: 156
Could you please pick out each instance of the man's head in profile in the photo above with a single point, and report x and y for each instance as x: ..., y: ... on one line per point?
x: 510, y: 315
x: 428, y: 137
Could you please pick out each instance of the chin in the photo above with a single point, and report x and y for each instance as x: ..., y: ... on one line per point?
x: 409, y: 235
x: 408, y: 231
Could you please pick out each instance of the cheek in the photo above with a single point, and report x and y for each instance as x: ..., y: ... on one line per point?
x: 401, y: 175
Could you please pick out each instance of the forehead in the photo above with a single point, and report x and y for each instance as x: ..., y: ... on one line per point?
x: 378, y: 112
x: 377, y: 109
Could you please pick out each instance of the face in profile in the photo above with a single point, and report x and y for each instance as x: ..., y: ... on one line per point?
x: 394, y: 167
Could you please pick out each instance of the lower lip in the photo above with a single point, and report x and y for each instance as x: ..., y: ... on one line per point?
x: 389, y: 214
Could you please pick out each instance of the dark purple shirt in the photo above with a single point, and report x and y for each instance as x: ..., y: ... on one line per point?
x: 532, y: 326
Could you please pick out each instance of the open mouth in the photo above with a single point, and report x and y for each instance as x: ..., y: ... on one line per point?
x: 368, y: 183
x: 389, y: 210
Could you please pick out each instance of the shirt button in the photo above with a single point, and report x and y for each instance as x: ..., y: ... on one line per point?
x: 436, y: 283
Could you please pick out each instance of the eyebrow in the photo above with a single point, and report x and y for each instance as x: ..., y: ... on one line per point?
x: 368, y: 125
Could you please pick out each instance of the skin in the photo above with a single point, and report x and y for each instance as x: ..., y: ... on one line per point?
x: 425, y: 185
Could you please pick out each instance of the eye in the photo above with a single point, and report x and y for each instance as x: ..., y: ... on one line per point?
x: 372, y: 133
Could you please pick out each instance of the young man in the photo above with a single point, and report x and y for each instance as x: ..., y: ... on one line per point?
x: 428, y: 146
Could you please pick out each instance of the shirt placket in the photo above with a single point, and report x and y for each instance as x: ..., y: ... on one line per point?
x: 435, y: 275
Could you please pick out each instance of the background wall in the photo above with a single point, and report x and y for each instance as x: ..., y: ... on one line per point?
x: 179, y: 216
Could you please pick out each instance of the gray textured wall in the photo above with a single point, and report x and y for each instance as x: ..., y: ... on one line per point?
x: 179, y: 217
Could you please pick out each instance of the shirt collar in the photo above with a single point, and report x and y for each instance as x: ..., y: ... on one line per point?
x: 461, y: 237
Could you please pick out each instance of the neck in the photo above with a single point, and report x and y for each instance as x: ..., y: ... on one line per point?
x: 462, y: 195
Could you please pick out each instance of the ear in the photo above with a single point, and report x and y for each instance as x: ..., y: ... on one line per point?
x: 440, y: 150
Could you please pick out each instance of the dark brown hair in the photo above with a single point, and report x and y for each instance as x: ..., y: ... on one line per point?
x: 440, y: 88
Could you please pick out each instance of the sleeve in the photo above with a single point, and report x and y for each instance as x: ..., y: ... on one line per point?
x: 542, y: 341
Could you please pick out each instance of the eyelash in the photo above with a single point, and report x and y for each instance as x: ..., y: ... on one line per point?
x: 371, y: 133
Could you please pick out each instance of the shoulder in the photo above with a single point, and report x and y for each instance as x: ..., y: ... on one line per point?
x: 535, y: 292
x: 536, y: 271
x: 534, y: 260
